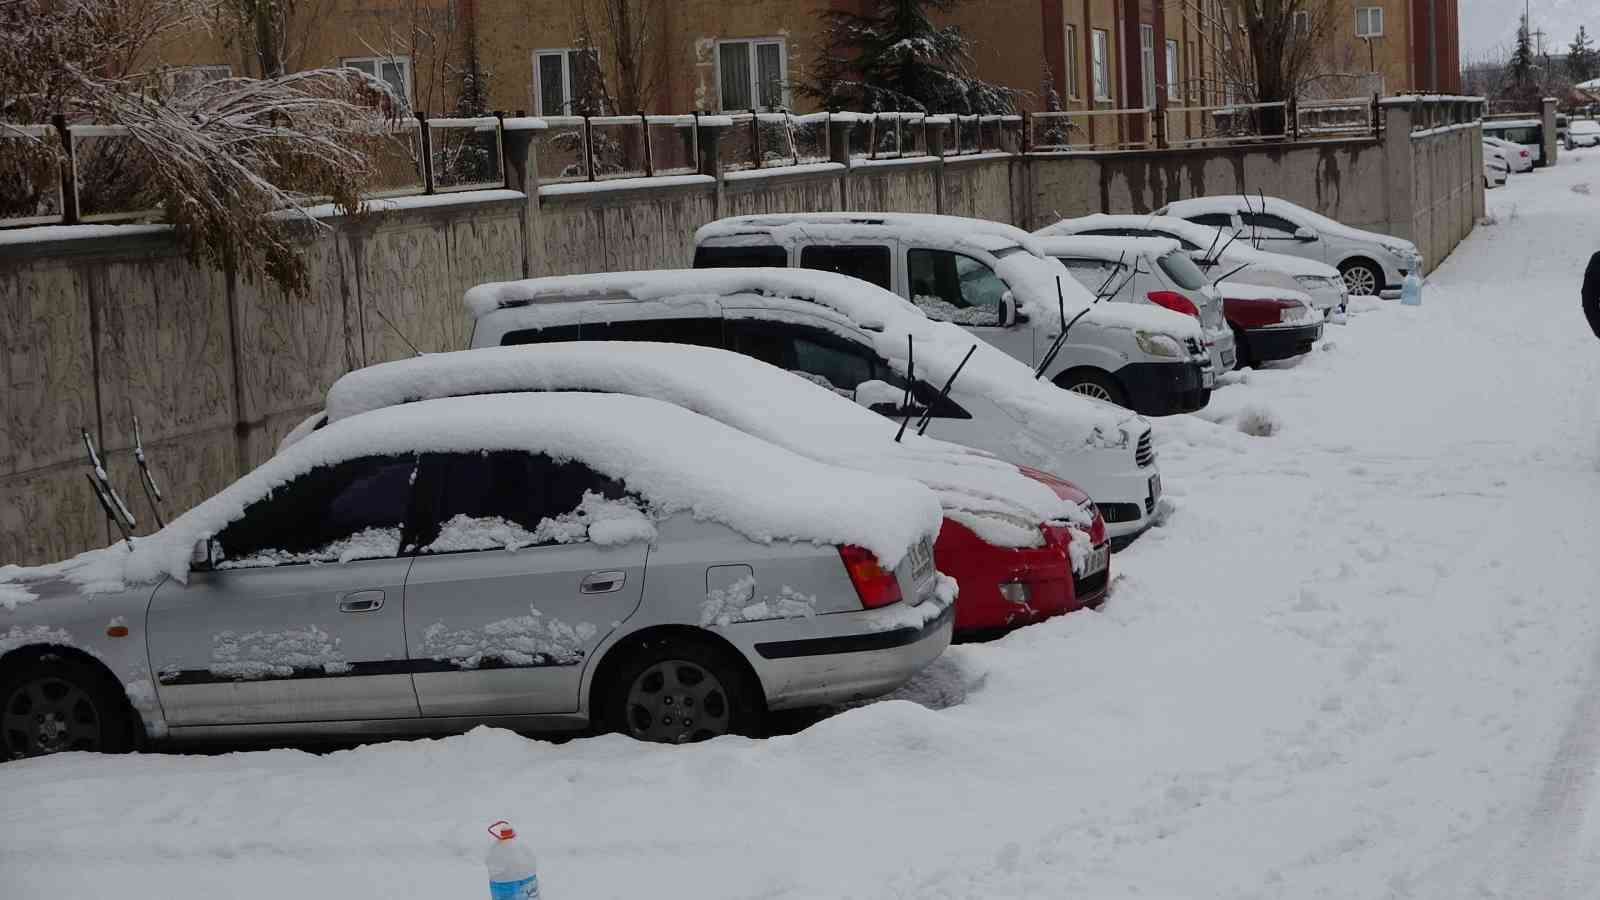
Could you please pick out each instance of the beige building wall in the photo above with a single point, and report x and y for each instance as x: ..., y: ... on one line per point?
x: 1388, y: 56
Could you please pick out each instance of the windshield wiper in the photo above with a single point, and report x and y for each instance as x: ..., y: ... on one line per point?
x: 911, y: 379
x: 1066, y: 326
x: 927, y: 416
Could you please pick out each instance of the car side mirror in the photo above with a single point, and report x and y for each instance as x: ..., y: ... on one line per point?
x: 1304, y: 235
x: 1008, y: 309
x: 200, y: 555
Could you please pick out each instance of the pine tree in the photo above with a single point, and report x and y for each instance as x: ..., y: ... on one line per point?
x: 895, y: 58
x: 1583, y: 61
x: 1521, y: 66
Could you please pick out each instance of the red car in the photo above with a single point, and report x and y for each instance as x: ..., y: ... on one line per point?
x: 1004, y: 588
x: 1269, y: 323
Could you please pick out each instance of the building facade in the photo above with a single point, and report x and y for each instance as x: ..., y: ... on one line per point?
x: 553, y: 57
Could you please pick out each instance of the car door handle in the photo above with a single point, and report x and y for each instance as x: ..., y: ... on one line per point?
x: 361, y: 601
x: 602, y: 582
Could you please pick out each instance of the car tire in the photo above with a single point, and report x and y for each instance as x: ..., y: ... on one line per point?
x: 1361, y: 277
x: 1242, y: 349
x: 53, y: 704
x: 677, y: 690
x: 1093, y: 383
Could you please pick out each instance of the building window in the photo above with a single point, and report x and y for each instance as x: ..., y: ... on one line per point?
x: 753, y: 74
x: 395, y: 71
x: 1147, y: 62
x: 1369, y: 22
x: 563, y: 79
x: 1174, y: 72
x: 1072, y: 62
x: 1102, y: 64
x: 1302, y: 23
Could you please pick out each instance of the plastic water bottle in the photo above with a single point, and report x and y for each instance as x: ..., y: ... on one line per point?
x: 1411, y: 290
x: 513, y: 871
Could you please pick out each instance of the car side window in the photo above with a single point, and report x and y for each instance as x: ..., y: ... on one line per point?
x: 843, y: 366
x: 551, y: 335
x: 1268, y: 225
x: 348, y: 511
x: 741, y: 257
x: 1213, y: 220
x: 506, y: 500
x: 868, y: 263
x: 954, y: 287
x: 702, y: 332
x: 1094, y: 274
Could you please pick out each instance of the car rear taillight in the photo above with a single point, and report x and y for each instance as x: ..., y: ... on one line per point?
x: 1174, y: 301
x: 875, y: 585
x: 1524, y: 153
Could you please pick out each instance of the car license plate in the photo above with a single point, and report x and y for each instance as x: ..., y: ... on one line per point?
x: 1208, y: 379
x: 1155, y: 486
x: 921, y: 561
x: 1097, y: 561
x: 1227, y: 358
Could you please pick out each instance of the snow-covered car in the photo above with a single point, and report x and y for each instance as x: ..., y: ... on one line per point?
x: 543, y: 561
x: 1496, y: 168
x: 1270, y: 324
x: 993, y: 280
x: 1210, y: 248
x: 1370, y: 262
x: 1148, y: 270
x: 1527, y: 134
x: 1021, y: 548
x: 1583, y: 133
x: 1520, y: 157
x: 858, y: 340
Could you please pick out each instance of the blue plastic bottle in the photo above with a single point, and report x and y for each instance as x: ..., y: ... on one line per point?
x: 1411, y: 290
x: 513, y: 871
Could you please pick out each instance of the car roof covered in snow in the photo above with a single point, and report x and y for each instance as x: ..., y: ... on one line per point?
x: 745, y: 393
x: 867, y: 312
x: 676, y: 460
x: 1107, y: 247
x: 1202, y: 236
x: 1246, y: 203
x: 788, y: 228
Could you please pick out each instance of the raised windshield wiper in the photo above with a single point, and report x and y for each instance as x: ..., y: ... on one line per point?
x: 1066, y: 326
x: 110, y: 501
x: 927, y: 416
x: 1236, y: 271
x: 911, y: 379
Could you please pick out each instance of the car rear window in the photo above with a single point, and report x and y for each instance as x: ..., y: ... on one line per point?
x: 868, y: 262
x: 743, y: 257
x: 1182, y: 270
x: 1527, y: 135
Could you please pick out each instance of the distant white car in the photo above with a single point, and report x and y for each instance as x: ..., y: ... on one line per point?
x: 1583, y: 133
x: 1215, y: 254
x: 1370, y: 262
x: 1525, y: 133
x: 1496, y: 168
x: 1520, y: 157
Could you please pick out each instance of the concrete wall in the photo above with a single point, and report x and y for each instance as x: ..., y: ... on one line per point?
x: 217, y: 367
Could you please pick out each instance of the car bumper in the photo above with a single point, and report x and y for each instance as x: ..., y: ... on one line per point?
x: 840, y: 657
x: 1042, y: 577
x: 1164, y: 389
x: 1267, y: 344
x: 1224, y: 354
x: 1132, y: 508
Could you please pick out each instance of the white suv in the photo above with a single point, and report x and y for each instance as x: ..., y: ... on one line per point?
x: 995, y: 281
x: 1370, y: 262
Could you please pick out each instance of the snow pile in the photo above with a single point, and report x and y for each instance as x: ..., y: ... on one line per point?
x: 259, y: 654
x: 527, y: 640
x: 744, y: 393
x: 737, y: 603
x: 597, y: 520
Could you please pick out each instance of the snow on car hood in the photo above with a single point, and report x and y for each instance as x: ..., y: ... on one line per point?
x: 1067, y: 422
x: 676, y: 460
x: 744, y: 393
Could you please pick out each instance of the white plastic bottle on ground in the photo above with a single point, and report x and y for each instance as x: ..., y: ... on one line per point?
x: 1411, y: 290
x: 513, y: 870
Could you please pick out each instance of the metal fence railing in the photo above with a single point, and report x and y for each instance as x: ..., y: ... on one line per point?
x: 30, y: 173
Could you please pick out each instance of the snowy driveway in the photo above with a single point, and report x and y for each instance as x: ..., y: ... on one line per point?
x: 1362, y: 660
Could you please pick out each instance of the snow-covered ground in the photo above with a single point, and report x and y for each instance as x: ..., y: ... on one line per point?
x: 1362, y: 660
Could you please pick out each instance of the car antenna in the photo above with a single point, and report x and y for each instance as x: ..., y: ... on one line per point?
x: 100, y: 483
x: 911, y: 378
x: 396, y: 329
x: 152, y: 491
x: 927, y: 415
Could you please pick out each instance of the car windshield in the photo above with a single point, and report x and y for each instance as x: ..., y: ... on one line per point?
x: 1182, y: 270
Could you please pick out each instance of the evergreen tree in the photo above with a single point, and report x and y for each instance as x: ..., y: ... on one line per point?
x: 1521, y: 66
x: 1583, y: 61
x: 893, y: 57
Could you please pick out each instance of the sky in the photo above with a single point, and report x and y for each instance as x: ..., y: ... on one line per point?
x: 1488, y: 24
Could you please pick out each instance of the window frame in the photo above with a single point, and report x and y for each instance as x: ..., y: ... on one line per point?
x: 1074, y: 87
x: 377, y: 63
x: 1147, y: 64
x: 1301, y: 26
x: 1370, y: 12
x: 1101, y: 66
x: 566, y: 54
x: 751, y: 45
x: 1174, y: 71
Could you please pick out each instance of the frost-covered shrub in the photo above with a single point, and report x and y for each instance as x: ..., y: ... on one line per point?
x: 1258, y: 421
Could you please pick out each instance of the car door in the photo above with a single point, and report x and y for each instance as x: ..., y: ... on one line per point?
x: 297, y: 617
x: 510, y: 594
x: 949, y: 286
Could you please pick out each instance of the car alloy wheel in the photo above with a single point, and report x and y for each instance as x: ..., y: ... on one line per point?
x: 48, y: 714
x: 1090, y: 389
x: 1361, y: 280
x: 676, y: 701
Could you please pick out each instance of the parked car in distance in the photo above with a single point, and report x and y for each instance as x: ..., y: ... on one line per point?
x: 1022, y: 546
x: 360, y: 584
x: 1370, y: 262
x: 1148, y: 270
x: 1269, y: 324
x: 858, y: 340
x: 1526, y: 133
x: 1519, y: 157
x: 1583, y: 133
x: 1496, y: 168
x: 993, y: 280
x: 1218, y: 256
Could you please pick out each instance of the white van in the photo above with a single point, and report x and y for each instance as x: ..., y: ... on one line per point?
x: 860, y: 341
x: 995, y: 281
x: 1149, y: 270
